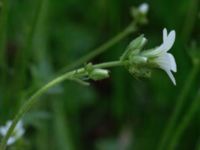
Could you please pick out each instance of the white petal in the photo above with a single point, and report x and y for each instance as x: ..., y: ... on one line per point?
x: 171, y: 76
x: 3, y: 131
x: 19, y: 125
x: 18, y: 131
x: 172, y: 62
x: 8, y: 124
x: 164, y: 34
x: 160, y: 49
x: 153, y: 52
x: 167, y: 63
x: 169, y: 41
x: 143, y: 8
x: 11, y: 140
x: 163, y: 61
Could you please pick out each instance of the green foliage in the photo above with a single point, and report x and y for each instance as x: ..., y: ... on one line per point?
x: 38, y: 38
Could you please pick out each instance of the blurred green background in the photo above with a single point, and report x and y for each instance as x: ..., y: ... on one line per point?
x: 38, y: 38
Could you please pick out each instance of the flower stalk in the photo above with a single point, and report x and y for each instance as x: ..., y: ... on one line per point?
x: 78, y: 73
x: 138, y: 62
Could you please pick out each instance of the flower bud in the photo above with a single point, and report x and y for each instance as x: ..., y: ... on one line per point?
x: 138, y: 43
x: 134, y: 47
x: 140, y: 14
x: 138, y: 59
x: 99, y: 74
x: 143, y: 8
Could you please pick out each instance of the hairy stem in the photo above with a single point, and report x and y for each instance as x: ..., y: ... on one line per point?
x: 33, y: 99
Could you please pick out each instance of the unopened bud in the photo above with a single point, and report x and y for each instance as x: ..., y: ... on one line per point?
x: 99, y: 74
x: 144, y: 8
x: 140, y: 13
x: 138, y: 43
x: 134, y: 47
x: 138, y: 59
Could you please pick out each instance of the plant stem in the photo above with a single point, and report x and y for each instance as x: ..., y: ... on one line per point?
x: 179, y: 105
x: 33, y: 99
x: 110, y: 64
x: 132, y: 27
x: 185, y: 122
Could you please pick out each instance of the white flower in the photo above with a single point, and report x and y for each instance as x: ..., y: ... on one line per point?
x: 160, y: 56
x: 143, y: 8
x: 17, y: 134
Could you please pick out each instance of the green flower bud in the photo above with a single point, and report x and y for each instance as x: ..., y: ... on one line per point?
x: 134, y: 47
x: 99, y: 74
x: 138, y: 43
x: 138, y: 59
